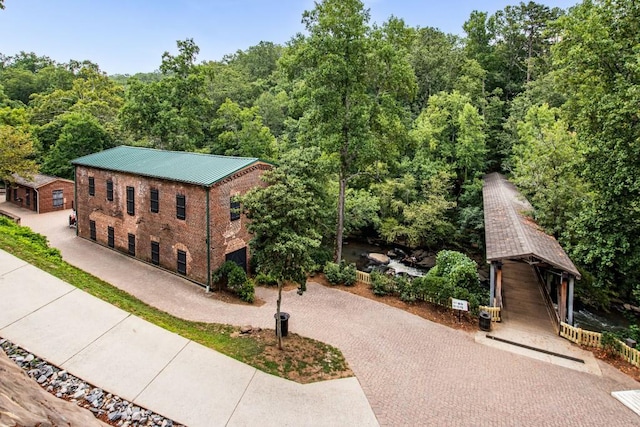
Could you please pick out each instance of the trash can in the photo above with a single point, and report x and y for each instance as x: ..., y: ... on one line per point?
x: 284, y: 323
x: 485, y: 321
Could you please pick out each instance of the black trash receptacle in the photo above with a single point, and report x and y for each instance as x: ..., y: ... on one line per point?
x: 284, y: 323
x: 485, y: 321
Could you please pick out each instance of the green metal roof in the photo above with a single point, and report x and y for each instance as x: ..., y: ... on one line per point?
x: 193, y: 168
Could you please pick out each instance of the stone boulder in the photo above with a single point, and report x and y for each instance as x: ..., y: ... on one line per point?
x: 24, y: 403
x: 378, y: 258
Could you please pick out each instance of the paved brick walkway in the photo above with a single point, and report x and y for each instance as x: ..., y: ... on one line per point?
x: 414, y: 372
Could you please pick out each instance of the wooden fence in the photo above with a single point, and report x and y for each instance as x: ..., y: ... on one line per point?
x: 493, y: 311
x: 592, y: 339
x: 363, y: 277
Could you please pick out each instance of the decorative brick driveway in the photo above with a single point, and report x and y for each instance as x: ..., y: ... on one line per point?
x: 414, y: 372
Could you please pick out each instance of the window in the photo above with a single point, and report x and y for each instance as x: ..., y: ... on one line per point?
x: 182, y: 262
x: 110, y: 237
x: 92, y: 229
x: 181, y: 206
x: 110, y: 190
x: 58, y: 199
x: 92, y: 186
x: 132, y: 244
x: 131, y: 205
x: 155, y: 253
x: 235, y: 210
x: 27, y: 197
x: 155, y: 200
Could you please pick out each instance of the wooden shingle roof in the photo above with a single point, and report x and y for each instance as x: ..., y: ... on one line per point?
x: 511, y: 234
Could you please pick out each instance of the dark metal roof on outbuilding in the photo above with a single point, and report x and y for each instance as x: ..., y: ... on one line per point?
x: 192, y: 168
x: 37, y: 180
x: 511, y: 234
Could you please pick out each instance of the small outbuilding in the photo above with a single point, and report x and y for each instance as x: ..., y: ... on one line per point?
x: 41, y: 193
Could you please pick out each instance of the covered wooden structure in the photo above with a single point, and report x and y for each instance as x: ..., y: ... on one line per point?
x: 510, y: 234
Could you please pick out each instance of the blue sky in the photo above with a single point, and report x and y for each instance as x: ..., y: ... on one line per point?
x: 129, y: 36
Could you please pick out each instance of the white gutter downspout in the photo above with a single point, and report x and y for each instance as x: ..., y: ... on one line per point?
x: 37, y: 199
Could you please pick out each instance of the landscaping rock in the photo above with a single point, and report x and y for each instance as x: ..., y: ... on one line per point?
x: 378, y: 258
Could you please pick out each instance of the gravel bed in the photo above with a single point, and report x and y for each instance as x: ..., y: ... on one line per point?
x: 105, y: 406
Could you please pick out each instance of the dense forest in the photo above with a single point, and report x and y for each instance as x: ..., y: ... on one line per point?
x: 390, y: 127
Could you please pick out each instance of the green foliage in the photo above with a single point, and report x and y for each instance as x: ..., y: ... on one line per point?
x: 240, y: 132
x: 34, y: 242
x: 332, y: 272
x: 382, y: 285
x: 81, y: 134
x: 236, y: 279
x: 265, y: 280
x: 341, y: 273
x: 16, y: 150
x: 610, y: 343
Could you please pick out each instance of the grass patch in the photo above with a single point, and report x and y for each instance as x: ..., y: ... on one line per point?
x: 258, y: 350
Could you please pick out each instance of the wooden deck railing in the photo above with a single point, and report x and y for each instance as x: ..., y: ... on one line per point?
x: 592, y: 339
x: 363, y: 277
x: 493, y: 311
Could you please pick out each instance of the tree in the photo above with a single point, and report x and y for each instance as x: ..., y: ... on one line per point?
x: 450, y: 130
x: 240, y: 132
x: 80, y: 135
x: 544, y: 163
x: 599, y: 73
x: 283, y: 225
x: 16, y: 150
x: 352, y: 77
x: 172, y: 112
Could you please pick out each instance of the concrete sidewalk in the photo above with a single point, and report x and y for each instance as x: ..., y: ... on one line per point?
x: 157, y: 369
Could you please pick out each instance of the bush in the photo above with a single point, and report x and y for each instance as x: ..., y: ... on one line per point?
x: 332, y: 272
x: 266, y: 280
x: 349, y: 273
x: 382, y: 285
x: 610, y: 343
x: 342, y: 273
x: 237, y: 280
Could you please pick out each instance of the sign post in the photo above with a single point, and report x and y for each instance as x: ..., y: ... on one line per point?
x: 460, y: 305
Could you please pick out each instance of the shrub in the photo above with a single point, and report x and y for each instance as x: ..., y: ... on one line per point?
x: 237, y: 280
x: 342, y: 273
x: 610, y: 343
x: 348, y: 272
x: 381, y: 284
x: 266, y: 280
x: 332, y: 272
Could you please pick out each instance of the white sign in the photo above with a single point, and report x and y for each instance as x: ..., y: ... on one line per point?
x: 459, y: 304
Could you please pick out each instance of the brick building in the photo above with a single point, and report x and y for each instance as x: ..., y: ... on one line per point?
x: 172, y: 209
x: 41, y: 193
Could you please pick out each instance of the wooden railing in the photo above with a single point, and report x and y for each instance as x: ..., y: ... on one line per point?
x: 493, y: 311
x: 592, y: 339
x: 363, y: 277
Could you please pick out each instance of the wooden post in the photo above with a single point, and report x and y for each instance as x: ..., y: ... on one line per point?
x: 492, y: 284
x: 562, y: 303
x: 499, y: 283
x: 570, y: 309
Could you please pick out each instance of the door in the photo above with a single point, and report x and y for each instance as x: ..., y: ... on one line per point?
x: 239, y: 257
x: 35, y: 201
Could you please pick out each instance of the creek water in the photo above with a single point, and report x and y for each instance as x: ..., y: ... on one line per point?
x: 356, y: 252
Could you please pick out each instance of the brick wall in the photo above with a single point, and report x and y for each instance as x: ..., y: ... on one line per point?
x: 228, y: 236
x: 172, y: 234
x: 44, y: 196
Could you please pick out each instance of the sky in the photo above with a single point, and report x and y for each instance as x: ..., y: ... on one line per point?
x: 130, y: 36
